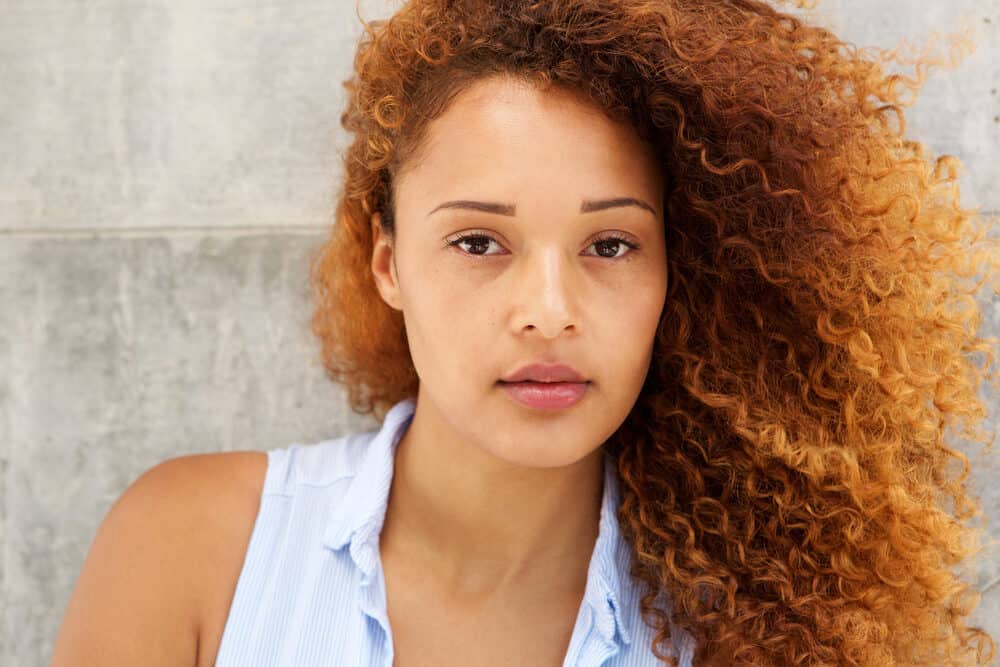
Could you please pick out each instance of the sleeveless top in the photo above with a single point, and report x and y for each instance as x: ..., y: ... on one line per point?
x: 311, y: 590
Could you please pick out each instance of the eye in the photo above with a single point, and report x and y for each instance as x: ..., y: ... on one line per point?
x: 482, y: 241
x: 616, y: 242
x: 478, y: 241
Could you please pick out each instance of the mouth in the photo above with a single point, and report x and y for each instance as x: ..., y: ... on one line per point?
x: 545, y: 395
x: 540, y: 383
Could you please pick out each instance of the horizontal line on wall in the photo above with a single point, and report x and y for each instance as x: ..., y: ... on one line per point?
x: 161, y: 230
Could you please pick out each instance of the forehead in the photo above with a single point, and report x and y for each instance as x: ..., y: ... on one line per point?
x: 510, y: 137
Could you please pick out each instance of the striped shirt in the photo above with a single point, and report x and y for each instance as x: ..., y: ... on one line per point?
x: 311, y: 589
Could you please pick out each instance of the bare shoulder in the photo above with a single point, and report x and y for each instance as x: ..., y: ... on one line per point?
x: 160, y: 562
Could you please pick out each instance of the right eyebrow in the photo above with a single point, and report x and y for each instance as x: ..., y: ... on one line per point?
x: 484, y: 206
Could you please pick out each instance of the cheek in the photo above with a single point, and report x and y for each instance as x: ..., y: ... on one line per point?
x: 627, y: 330
x: 450, y: 325
x: 457, y: 297
x: 638, y: 312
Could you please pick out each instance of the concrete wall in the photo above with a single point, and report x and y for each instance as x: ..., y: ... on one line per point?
x: 166, y: 168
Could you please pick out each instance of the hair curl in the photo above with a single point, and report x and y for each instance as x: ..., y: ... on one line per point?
x: 785, y: 471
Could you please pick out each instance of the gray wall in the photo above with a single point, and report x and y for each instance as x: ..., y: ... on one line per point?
x: 166, y: 168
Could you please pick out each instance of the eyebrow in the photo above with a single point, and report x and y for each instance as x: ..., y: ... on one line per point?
x: 586, y: 206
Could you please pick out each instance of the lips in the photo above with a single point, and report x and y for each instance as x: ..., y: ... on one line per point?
x: 545, y: 372
x: 546, y: 395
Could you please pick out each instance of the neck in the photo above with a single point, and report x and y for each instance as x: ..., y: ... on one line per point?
x: 481, y: 525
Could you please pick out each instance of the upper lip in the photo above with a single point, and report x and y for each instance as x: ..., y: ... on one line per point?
x: 542, y: 372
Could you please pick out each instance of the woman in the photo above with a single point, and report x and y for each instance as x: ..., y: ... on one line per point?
x: 659, y: 314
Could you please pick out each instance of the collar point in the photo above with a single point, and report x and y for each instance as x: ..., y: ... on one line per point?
x: 618, y: 616
x: 336, y: 536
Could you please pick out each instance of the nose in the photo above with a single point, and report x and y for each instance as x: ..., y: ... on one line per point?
x: 546, y: 292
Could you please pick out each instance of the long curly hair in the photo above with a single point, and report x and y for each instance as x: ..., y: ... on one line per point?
x: 786, y: 477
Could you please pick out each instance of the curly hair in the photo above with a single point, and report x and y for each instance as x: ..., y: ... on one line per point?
x: 785, y: 472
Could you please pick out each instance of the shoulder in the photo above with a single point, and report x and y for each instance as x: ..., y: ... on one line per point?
x: 208, y: 490
x: 184, y: 500
x: 144, y: 583
x: 183, y: 484
x: 210, y: 503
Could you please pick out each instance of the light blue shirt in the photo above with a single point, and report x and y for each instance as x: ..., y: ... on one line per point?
x: 311, y: 589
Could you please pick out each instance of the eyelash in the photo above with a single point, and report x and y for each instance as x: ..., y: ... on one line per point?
x: 604, y: 239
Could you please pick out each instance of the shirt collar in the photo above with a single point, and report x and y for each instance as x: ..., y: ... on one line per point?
x: 358, y: 517
x: 359, y: 514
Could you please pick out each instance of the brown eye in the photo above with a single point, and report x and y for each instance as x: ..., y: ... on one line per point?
x: 614, y: 242
x: 478, y: 241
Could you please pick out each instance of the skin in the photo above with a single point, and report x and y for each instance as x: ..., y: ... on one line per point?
x: 494, y: 504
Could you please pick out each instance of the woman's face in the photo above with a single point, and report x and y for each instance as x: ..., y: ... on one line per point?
x: 540, y: 281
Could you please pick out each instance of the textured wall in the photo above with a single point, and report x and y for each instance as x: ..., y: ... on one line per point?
x: 166, y: 169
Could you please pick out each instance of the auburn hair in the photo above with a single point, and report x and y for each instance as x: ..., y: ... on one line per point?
x: 787, y: 480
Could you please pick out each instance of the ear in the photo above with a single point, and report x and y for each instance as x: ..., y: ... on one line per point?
x: 383, y: 264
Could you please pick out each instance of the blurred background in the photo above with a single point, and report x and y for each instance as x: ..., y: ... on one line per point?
x: 166, y: 169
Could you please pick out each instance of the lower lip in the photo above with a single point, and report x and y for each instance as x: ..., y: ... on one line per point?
x: 546, y: 395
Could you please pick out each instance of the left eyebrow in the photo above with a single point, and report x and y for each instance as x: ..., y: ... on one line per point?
x: 590, y: 205
x: 587, y: 206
